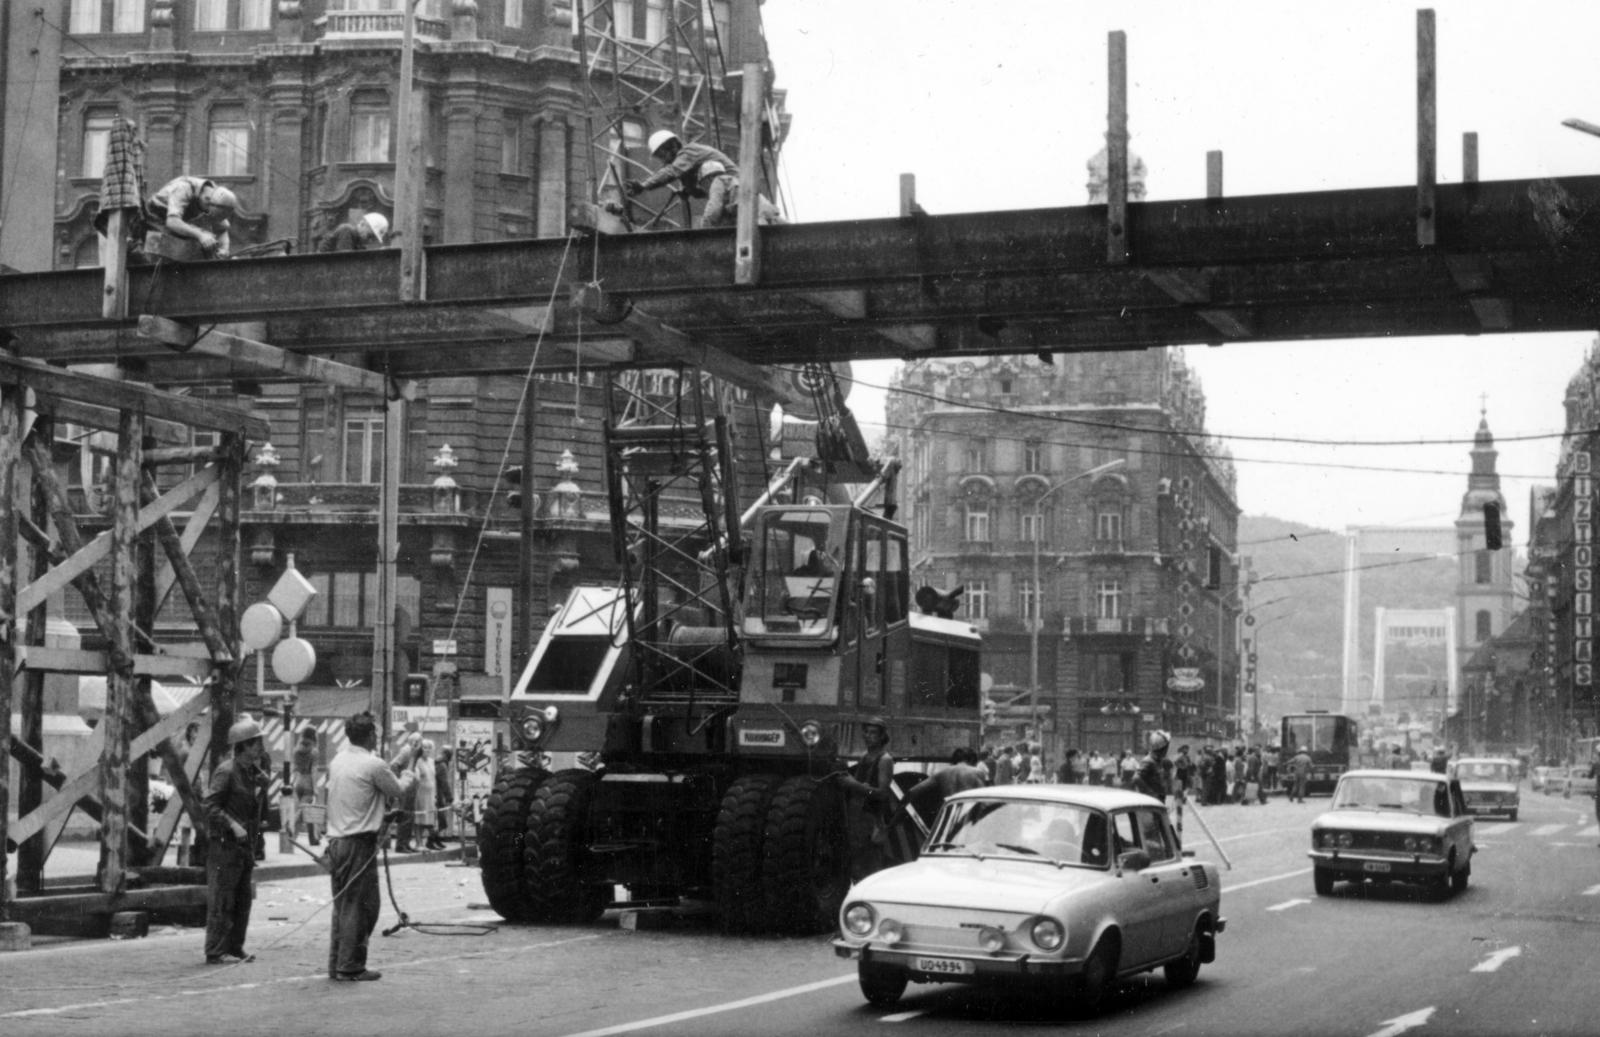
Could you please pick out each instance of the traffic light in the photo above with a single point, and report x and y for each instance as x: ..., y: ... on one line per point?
x: 414, y: 690
x: 1491, y: 525
x: 513, y: 475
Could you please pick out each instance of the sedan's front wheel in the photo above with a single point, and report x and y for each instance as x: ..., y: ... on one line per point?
x: 1094, y: 982
x: 1182, y: 973
x: 1322, y: 880
x: 881, y: 985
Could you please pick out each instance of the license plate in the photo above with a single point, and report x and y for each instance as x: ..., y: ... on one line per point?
x: 947, y: 966
x: 1375, y: 866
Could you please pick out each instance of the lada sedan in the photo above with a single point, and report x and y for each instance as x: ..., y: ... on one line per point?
x: 1062, y: 887
x: 1578, y: 781
x: 1540, y: 777
x: 1490, y: 786
x: 1394, y: 826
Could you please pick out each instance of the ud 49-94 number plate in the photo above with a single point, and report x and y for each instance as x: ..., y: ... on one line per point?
x: 947, y: 966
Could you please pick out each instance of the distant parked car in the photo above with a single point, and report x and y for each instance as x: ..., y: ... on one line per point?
x: 1539, y: 778
x: 1489, y: 785
x: 1394, y: 826
x: 1060, y: 887
x: 1578, y: 782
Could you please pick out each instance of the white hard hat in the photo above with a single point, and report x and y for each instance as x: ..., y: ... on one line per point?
x: 243, y: 730
x: 659, y: 138
x: 377, y: 224
x: 711, y: 167
x: 223, y: 197
x: 1159, y: 740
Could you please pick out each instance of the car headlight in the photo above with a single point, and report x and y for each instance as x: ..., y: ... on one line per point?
x: 811, y: 733
x: 859, y: 919
x: 1048, y: 934
x: 1346, y: 840
x: 992, y: 939
x: 1413, y: 844
x: 533, y: 728
x: 890, y: 931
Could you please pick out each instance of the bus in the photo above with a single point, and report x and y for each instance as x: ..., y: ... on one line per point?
x: 1328, y: 738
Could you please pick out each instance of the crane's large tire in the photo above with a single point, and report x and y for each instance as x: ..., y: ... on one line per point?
x: 736, y: 854
x: 806, y: 857
x: 555, y: 851
x: 500, y: 842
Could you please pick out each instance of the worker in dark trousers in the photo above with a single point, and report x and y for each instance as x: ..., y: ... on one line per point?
x: 680, y: 162
x: 721, y: 187
x: 360, y: 784
x: 195, y: 208
x: 233, y: 820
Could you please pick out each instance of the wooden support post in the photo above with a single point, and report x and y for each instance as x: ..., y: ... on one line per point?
x: 1469, y: 158
x: 205, y: 617
x: 533, y: 603
x: 227, y: 692
x: 908, y: 195
x: 114, y: 302
x: 1427, y: 128
x: 388, y: 554
x: 10, y: 455
x: 747, y: 236
x: 408, y: 165
x: 120, y: 690
x: 29, y: 500
x: 144, y: 618
x: 1117, y: 151
x: 1213, y: 174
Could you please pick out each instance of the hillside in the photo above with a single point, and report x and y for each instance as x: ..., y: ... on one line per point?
x: 1300, y: 658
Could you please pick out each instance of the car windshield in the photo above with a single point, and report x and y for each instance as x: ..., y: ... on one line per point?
x: 1058, y: 833
x: 1489, y: 771
x: 1408, y: 795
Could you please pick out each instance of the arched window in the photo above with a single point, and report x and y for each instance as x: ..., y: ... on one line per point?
x: 87, y: 253
x: 1485, y: 625
x: 1485, y: 562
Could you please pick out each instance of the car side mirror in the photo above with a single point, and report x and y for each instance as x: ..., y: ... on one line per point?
x: 1134, y: 860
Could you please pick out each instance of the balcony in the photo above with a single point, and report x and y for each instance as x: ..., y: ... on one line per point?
x: 367, y: 24
x: 975, y: 547
x: 1092, y: 626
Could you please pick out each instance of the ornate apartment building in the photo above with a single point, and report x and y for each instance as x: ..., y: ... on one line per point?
x: 1136, y: 600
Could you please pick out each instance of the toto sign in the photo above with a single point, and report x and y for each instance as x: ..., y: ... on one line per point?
x: 1186, y: 678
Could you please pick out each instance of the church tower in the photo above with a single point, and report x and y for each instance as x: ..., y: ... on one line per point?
x: 1485, y: 599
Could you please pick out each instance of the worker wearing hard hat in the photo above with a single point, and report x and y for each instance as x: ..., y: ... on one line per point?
x: 233, y: 818
x: 680, y: 162
x: 195, y: 208
x: 1151, y: 778
x: 721, y: 188
x: 370, y: 231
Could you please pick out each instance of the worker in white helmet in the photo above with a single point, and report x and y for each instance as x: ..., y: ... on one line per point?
x: 370, y: 231
x: 720, y: 185
x: 1151, y: 778
x: 233, y: 819
x: 680, y: 162
x: 195, y: 208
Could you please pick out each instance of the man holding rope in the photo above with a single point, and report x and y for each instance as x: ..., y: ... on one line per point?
x: 359, y: 786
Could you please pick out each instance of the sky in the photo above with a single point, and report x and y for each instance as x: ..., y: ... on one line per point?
x: 999, y: 106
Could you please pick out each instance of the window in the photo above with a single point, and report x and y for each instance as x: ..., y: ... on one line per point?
x: 1110, y: 673
x: 369, y: 127
x: 1029, y: 600
x: 513, y: 14
x: 1153, y: 832
x: 229, y: 141
x: 511, y: 143
x: 977, y: 599
x: 127, y: 16
x: 1033, y: 458
x: 210, y: 15
x: 363, y: 448
x: 96, y: 141
x: 85, y: 16
x: 641, y: 19
x: 1005, y: 385
x: 1108, y: 599
x: 255, y: 14
x: 1485, y: 625
x: 1032, y: 526
x: 977, y: 455
x: 1108, y: 525
x: 978, y: 522
x: 1485, y: 561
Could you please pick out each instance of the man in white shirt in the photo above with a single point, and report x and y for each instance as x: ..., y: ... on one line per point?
x: 360, y: 785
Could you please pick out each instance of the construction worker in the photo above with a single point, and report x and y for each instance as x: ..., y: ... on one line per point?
x: 370, y: 231
x: 233, y: 819
x: 721, y: 188
x: 680, y: 162
x: 1151, y: 777
x: 195, y: 208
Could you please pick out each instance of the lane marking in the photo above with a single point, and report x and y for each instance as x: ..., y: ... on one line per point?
x: 1590, y: 832
x: 1493, y: 962
x: 1500, y: 828
x: 900, y: 1017
x: 1401, y: 1023
x: 729, y: 1006
x: 1252, y: 835
x: 1592, y: 891
x: 1548, y: 829
x: 1269, y: 878
x: 322, y: 975
x: 1287, y: 904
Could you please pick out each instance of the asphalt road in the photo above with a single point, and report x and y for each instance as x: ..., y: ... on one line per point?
x: 1509, y: 956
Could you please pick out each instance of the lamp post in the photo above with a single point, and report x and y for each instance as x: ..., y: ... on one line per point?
x: 1255, y: 700
x: 1038, y: 589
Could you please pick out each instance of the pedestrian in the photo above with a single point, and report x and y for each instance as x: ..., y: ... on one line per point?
x: 929, y: 794
x: 1005, y: 768
x: 868, y: 785
x: 444, y: 795
x: 1440, y: 763
x: 1129, y: 767
x: 1270, y: 762
x: 1183, y: 769
x: 1299, y: 775
x: 425, y: 807
x: 233, y: 818
x: 987, y: 762
x: 194, y: 208
x: 680, y: 162
x: 304, y: 765
x: 359, y: 785
x: 1253, y: 788
x: 1068, y: 774
x: 369, y: 232
x: 720, y: 185
x: 1240, y: 771
x: 1594, y: 775
x: 1097, y: 767
x: 1150, y: 777
x: 1024, y: 763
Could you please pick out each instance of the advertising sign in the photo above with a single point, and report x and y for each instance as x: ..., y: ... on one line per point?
x: 497, y: 636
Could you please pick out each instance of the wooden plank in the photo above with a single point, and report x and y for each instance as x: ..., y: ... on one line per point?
x: 1213, y: 174
x: 1469, y: 158
x: 75, y: 660
x: 119, y: 715
x: 32, y: 509
x: 192, y: 531
x: 747, y: 232
x: 408, y: 188
x: 10, y: 461
x: 114, y: 294
x: 92, y: 416
x: 107, y: 392
x: 44, y: 913
x: 205, y: 617
x: 1117, y: 251
x: 908, y: 195
x: 161, y: 835
x: 1427, y: 129
x: 227, y: 693
x: 251, y: 353
x: 84, y: 560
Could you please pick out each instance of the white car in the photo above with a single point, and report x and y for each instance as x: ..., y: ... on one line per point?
x: 1489, y: 785
x: 1065, y: 887
x: 1394, y: 826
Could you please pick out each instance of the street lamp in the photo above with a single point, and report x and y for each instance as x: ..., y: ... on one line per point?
x: 1038, y: 588
x: 1255, y: 696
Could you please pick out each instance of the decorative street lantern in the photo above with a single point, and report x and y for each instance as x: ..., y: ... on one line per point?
x: 446, y: 495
